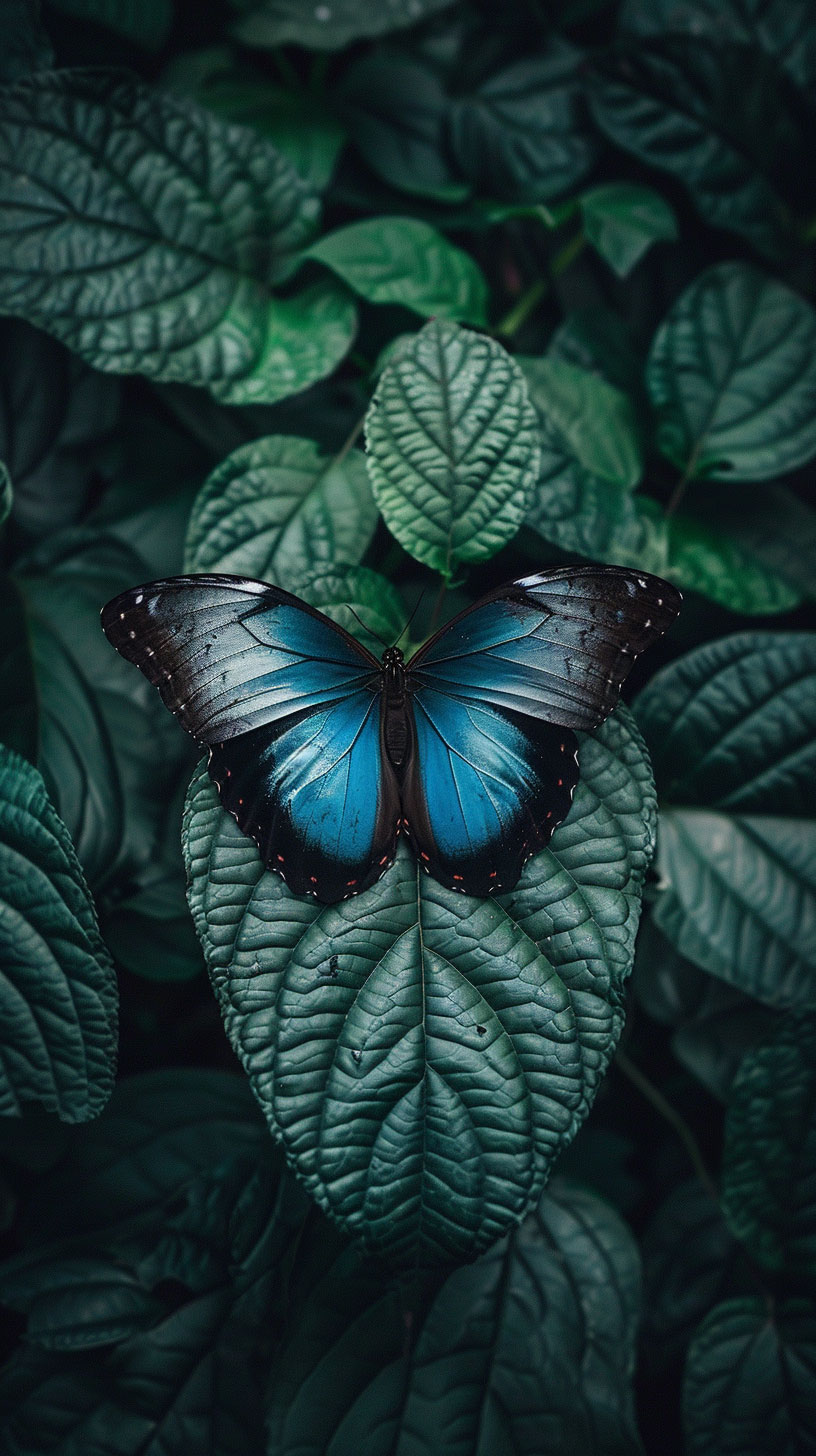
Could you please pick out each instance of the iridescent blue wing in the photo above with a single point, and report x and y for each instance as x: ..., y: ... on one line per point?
x: 288, y: 705
x: 495, y: 695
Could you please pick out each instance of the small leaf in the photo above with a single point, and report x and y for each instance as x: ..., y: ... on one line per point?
x: 739, y: 898
x: 688, y: 1259
x: 278, y: 508
x: 146, y: 22
x: 522, y: 136
x: 750, y: 1380
x: 769, y: 1162
x: 179, y: 219
x: 396, y: 109
x: 714, y: 117
x: 622, y: 220
x: 585, y: 420
x: 732, y: 373
x: 327, y: 27
x: 379, y: 1033
x: 733, y: 724
x: 534, y: 1341
x: 452, y: 450
x: 402, y: 260
x: 58, y: 989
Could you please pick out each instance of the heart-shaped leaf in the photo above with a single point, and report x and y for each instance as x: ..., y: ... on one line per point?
x: 750, y: 1380
x: 423, y: 1056
x: 534, y: 1342
x: 452, y: 449
x: 769, y: 1177
x: 402, y: 260
x: 58, y: 1000
x: 732, y: 374
x: 162, y: 262
x: 278, y: 508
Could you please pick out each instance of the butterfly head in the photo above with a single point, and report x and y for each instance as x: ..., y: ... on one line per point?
x: 393, y: 665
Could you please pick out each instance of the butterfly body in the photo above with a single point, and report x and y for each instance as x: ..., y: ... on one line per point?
x: 325, y: 755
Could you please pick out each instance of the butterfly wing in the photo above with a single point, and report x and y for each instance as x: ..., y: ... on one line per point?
x: 495, y: 695
x: 288, y: 705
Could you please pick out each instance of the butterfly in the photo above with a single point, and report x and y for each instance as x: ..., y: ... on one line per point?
x: 325, y: 755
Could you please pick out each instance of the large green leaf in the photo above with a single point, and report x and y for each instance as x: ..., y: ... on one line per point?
x: 688, y: 1259
x: 584, y: 422
x: 782, y: 28
x: 733, y: 724
x: 402, y: 260
x: 452, y: 449
x: 769, y: 1163
x: 713, y: 116
x: 325, y: 27
x: 732, y: 374
x: 423, y: 1056
x: 623, y: 219
x: 278, y: 508
x: 699, y: 547
x: 147, y: 22
x: 530, y: 1348
x: 162, y: 262
x: 58, y: 998
x: 522, y: 135
x: 750, y: 1381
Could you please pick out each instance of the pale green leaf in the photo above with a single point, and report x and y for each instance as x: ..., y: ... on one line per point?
x: 452, y: 450
x: 277, y: 508
x: 732, y: 374
x: 623, y: 219
x: 402, y: 260
x: 750, y: 1383
x: 769, y: 1161
x: 423, y: 1056
x: 58, y: 1000
x: 177, y: 227
x: 585, y: 421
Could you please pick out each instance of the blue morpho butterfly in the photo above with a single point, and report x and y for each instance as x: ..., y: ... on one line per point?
x: 323, y: 755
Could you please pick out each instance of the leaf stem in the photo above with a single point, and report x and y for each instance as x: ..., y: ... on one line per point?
x: 672, y: 1117
x: 522, y: 308
x: 350, y: 440
x: 568, y: 254
x: 437, y: 607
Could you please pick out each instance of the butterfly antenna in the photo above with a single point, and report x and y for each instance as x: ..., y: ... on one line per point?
x: 417, y: 606
x: 370, y: 630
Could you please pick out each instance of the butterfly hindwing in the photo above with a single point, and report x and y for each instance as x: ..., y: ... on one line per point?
x: 557, y: 645
x: 289, y: 706
x: 484, y: 790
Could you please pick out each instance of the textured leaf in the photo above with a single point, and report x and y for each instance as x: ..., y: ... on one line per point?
x: 688, y: 1258
x: 698, y: 547
x: 58, y: 1000
x: 781, y: 28
x: 585, y: 421
x: 147, y: 22
x: 26, y: 47
x: 452, y: 450
x: 402, y: 260
x: 423, y: 1056
x: 713, y: 116
x: 622, y: 220
x: 739, y: 898
x: 108, y: 751
x: 396, y: 109
x: 732, y: 374
x: 163, y: 262
x: 277, y: 508
x: 533, y: 1342
x: 769, y: 1163
x: 751, y: 1380
x: 733, y: 724
x: 326, y: 27
x: 522, y: 135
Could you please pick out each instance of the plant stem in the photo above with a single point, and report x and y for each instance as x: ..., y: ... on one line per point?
x: 522, y: 308
x: 349, y: 441
x: 672, y: 1117
x: 437, y: 607
x: 568, y: 254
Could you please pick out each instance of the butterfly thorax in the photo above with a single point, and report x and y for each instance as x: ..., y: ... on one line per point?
x: 395, y: 721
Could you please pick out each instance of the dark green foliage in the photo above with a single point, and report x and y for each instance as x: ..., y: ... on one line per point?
x: 387, y: 304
